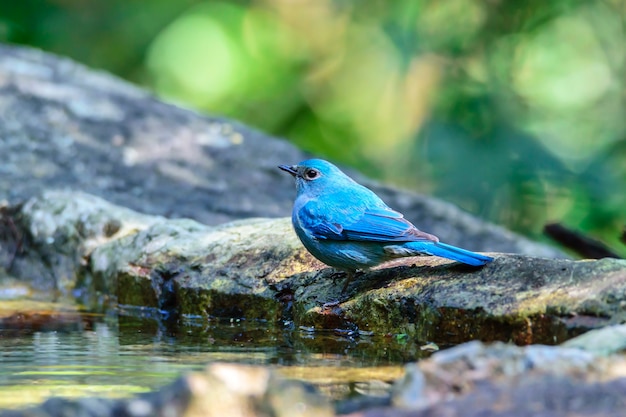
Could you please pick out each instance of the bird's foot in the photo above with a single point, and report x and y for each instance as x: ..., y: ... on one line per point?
x: 338, y: 274
x: 351, y: 275
x: 347, y: 275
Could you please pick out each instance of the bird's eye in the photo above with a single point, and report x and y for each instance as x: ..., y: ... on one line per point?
x: 311, y: 174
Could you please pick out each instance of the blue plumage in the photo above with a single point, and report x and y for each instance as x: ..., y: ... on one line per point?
x: 347, y: 226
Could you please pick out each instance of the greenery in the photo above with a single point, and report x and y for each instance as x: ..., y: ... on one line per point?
x: 512, y: 110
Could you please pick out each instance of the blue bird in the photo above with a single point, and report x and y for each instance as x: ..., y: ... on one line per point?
x: 348, y: 227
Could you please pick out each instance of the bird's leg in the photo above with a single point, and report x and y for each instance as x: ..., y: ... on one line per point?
x: 337, y: 274
x: 335, y: 303
x: 350, y: 275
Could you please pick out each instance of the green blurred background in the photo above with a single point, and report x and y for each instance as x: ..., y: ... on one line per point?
x: 513, y: 110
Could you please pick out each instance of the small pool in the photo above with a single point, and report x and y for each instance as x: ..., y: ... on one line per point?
x: 58, y: 349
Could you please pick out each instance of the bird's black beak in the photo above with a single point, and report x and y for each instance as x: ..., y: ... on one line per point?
x: 292, y: 169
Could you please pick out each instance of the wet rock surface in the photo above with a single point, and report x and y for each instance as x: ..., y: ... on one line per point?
x: 521, y: 299
x: 257, y: 269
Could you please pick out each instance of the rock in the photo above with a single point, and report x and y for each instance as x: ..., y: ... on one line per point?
x: 66, y: 126
x: 474, y: 379
x: 523, y: 299
x: 601, y: 342
x: 257, y: 269
x: 227, y: 271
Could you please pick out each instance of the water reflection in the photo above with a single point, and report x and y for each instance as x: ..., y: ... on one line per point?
x: 114, y: 356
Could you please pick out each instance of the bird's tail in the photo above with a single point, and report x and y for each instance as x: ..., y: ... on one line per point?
x: 458, y: 254
x: 450, y: 252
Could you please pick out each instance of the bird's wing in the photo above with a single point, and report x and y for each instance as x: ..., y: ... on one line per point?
x: 384, y: 225
x: 320, y: 223
x: 372, y: 225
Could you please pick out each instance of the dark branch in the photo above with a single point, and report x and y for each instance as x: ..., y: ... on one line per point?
x: 579, y: 243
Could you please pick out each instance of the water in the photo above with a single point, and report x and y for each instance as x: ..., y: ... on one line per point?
x: 61, y: 351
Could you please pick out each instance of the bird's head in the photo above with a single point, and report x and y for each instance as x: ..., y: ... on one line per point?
x: 314, y: 175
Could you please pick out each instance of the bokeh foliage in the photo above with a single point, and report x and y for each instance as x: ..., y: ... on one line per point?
x: 512, y: 110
